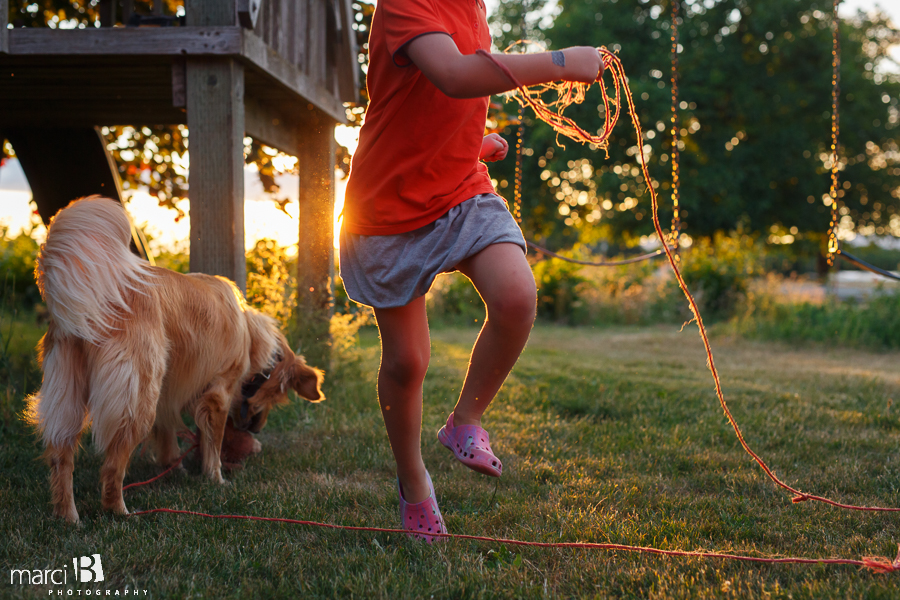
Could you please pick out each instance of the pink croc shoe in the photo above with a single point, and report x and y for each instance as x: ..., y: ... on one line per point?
x: 471, y: 446
x: 422, y: 517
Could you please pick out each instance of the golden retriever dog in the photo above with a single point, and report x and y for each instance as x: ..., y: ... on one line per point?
x: 131, y: 347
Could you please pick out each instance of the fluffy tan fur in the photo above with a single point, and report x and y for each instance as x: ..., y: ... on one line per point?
x: 131, y: 347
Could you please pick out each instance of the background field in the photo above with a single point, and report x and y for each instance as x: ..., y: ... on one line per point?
x: 609, y: 435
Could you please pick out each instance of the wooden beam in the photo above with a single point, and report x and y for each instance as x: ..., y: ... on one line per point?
x: 315, y: 258
x: 4, y: 32
x: 215, y: 101
x: 272, y: 127
x: 124, y: 41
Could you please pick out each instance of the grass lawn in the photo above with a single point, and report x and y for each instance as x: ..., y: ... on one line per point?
x: 608, y: 435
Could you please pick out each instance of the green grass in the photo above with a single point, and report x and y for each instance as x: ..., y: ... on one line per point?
x: 609, y: 435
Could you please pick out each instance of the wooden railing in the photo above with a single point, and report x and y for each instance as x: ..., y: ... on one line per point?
x: 312, y: 36
x: 308, y: 34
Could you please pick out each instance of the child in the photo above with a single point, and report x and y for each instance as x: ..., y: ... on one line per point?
x: 419, y: 203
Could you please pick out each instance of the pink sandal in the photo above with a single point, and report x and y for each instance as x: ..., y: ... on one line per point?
x: 471, y: 446
x: 422, y: 517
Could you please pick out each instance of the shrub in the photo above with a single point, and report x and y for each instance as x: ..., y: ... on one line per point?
x: 718, y: 272
x: 17, y: 257
x: 453, y: 300
x: 873, y: 323
x: 271, y: 280
x: 559, y: 287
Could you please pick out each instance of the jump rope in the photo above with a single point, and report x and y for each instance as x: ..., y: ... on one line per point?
x: 569, y: 93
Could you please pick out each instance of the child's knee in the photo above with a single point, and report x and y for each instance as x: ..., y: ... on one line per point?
x: 516, y: 307
x: 406, y: 367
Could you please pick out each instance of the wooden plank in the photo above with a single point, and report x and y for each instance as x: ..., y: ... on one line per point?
x: 205, y: 13
x: 299, y: 59
x: 271, y: 126
x: 315, y: 66
x: 127, y: 10
x: 277, y: 67
x: 274, y: 28
x: 179, y: 83
x: 215, y: 101
x: 315, y: 258
x: 290, y: 18
x: 4, y: 32
x: 122, y: 41
x: 331, y: 46
x: 272, y: 25
x: 107, y: 10
x: 347, y: 61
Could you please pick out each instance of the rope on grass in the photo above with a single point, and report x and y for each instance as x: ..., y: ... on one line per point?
x: 571, y: 92
x: 195, y: 442
x: 877, y: 564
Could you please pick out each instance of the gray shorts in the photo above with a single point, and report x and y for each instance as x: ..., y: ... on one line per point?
x: 387, y: 271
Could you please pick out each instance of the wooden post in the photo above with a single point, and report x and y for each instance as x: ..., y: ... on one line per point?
x: 215, y: 115
x: 215, y: 111
x: 107, y: 13
x: 315, y: 259
x: 4, y: 35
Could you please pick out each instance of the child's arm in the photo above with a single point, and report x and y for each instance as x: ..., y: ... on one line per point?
x: 472, y: 76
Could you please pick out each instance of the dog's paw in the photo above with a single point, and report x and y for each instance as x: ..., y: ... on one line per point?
x: 216, y: 477
x: 71, y: 516
x: 256, y: 447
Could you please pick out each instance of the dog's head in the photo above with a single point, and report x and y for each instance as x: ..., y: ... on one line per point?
x: 260, y: 392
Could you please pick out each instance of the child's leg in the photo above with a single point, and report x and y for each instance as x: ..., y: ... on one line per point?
x: 502, y: 276
x: 405, y: 352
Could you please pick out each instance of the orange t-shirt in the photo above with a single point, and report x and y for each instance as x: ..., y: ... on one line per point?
x: 418, y: 148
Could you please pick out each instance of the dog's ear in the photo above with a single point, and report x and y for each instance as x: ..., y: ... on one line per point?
x: 306, y: 380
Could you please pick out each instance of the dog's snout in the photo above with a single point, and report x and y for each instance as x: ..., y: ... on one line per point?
x: 255, y: 424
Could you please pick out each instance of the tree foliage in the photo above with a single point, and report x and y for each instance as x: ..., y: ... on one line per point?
x: 754, y: 119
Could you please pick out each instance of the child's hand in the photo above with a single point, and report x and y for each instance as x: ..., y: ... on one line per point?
x: 583, y: 64
x: 493, y: 148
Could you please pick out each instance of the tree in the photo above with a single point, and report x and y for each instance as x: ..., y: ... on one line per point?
x: 755, y: 90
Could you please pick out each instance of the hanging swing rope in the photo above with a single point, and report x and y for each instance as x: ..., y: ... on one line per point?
x: 676, y: 131
x: 835, y: 248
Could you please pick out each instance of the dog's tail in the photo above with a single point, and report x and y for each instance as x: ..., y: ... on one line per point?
x: 86, y: 271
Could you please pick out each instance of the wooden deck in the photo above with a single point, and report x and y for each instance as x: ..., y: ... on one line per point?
x: 126, y: 75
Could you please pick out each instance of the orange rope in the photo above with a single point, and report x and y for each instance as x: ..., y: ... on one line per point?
x: 185, y: 434
x: 877, y: 564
